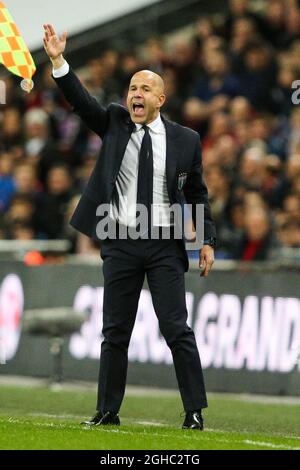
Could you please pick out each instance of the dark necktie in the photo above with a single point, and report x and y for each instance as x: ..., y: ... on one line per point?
x: 145, y: 173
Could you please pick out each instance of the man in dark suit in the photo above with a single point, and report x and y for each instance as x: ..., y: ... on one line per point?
x: 147, y: 161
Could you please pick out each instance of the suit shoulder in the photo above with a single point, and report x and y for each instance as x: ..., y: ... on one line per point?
x: 185, y: 132
x: 118, y: 110
x: 190, y: 132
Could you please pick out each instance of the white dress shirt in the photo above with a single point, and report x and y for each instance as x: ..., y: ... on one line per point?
x: 126, y: 183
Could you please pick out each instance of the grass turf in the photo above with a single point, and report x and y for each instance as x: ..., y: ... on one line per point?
x: 39, y: 418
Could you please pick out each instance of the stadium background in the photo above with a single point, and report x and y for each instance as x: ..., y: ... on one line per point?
x: 228, y: 69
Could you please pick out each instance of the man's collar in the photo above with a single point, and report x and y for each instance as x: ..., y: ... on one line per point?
x: 156, y: 126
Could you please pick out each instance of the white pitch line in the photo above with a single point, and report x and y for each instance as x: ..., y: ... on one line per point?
x: 151, y: 423
x: 204, y: 437
x: 51, y: 415
x: 144, y: 423
x: 269, y: 444
x: 278, y: 435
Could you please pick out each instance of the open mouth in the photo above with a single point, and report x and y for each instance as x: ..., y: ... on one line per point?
x: 138, y: 109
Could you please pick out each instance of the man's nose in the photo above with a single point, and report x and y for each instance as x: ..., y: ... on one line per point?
x: 138, y: 94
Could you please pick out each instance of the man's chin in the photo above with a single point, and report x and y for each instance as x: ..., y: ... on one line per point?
x: 138, y: 119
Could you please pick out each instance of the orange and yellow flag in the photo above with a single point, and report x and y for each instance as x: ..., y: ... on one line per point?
x: 14, y: 53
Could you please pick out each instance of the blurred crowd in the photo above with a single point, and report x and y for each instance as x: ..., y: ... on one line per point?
x: 229, y: 78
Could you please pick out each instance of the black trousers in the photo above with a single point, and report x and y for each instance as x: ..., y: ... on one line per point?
x: 125, y: 263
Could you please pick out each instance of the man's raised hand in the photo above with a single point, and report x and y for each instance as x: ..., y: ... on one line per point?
x: 54, y: 45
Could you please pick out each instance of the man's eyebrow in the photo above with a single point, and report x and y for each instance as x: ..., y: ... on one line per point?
x: 145, y: 85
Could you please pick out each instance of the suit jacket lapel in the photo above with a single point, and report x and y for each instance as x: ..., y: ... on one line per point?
x: 125, y: 131
x: 171, y: 157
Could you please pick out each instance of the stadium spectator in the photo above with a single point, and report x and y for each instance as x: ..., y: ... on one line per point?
x: 39, y: 146
x: 240, y: 10
x: 288, y: 233
x: 218, y: 80
x: 53, y: 203
x: 251, y: 168
x: 11, y: 132
x: 25, y: 179
x: 257, y: 73
x: 7, y: 185
x: 257, y: 239
x: 274, y: 23
x: 182, y: 60
x: 20, y: 214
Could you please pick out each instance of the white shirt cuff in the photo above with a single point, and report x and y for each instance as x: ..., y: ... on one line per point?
x: 61, y: 71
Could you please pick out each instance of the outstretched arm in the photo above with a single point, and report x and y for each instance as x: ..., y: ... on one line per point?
x: 86, y: 106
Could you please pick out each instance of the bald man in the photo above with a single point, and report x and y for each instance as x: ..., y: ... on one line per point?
x: 146, y: 165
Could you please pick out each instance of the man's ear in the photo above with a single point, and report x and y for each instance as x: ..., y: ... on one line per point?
x: 162, y: 99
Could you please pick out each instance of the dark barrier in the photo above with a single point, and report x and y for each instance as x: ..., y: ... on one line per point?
x: 247, y: 325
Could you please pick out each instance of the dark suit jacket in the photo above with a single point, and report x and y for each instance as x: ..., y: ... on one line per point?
x: 114, y: 126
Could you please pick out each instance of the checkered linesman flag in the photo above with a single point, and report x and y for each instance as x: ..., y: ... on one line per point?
x: 14, y: 53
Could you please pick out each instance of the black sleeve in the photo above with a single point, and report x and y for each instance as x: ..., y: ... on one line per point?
x: 195, y: 192
x: 86, y: 106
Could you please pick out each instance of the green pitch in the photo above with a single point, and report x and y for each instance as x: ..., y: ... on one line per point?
x: 38, y: 418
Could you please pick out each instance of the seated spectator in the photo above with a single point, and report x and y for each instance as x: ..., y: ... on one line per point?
x: 210, y: 45
x: 20, y: 213
x: 288, y: 181
x: 94, y: 79
x: 251, y: 168
x: 80, y: 243
x: 291, y: 206
x: 231, y: 230
x: 272, y: 177
x: 218, y: 80
x: 84, y: 172
x: 154, y: 55
x: 21, y: 230
x: 288, y: 233
x: 182, y: 60
x: 7, y: 184
x: 240, y: 110
x: 241, y: 134
x: 204, y: 29
x: 263, y: 128
x: 254, y: 200
x: 244, y: 32
x: 257, y: 241
x: 195, y: 115
x: 240, y: 9
x: 292, y: 25
x: 218, y: 125
x: 282, y: 91
x: 294, y: 131
x: 110, y: 60
x: 25, y: 179
x: 11, y: 129
x: 173, y: 105
x: 129, y: 65
x: 219, y: 193
x: 257, y: 75
x: 226, y: 150
x: 39, y: 146
x: 274, y: 30
x: 52, y: 205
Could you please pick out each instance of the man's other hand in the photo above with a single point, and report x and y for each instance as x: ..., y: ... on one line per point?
x: 206, y: 259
